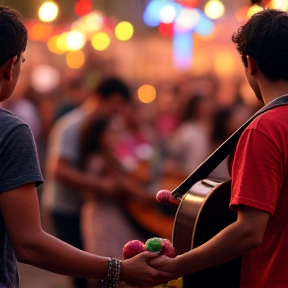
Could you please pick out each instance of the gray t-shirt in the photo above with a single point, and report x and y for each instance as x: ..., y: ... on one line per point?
x: 18, y: 166
x: 64, y: 142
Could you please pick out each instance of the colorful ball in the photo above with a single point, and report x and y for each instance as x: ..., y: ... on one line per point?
x: 132, y: 248
x: 154, y: 244
x: 167, y: 248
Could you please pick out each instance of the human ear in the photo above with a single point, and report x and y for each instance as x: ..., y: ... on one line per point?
x: 252, y: 65
x: 9, y: 66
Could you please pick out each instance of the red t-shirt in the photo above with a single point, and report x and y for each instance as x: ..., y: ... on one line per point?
x: 259, y: 180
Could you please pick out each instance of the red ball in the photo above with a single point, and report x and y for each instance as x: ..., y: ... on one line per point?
x: 133, y: 248
x: 168, y: 249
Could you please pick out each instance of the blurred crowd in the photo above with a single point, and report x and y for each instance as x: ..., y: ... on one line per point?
x: 105, y: 154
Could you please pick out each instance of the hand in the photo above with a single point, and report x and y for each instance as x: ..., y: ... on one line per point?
x: 137, y: 271
x: 166, y: 264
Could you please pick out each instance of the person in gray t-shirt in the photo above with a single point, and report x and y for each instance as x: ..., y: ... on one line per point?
x: 21, y: 235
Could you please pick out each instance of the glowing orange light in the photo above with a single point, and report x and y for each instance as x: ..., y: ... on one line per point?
x: 146, y: 93
x: 224, y: 63
x: 53, y: 47
x: 75, y: 59
x: 40, y: 32
x: 253, y: 10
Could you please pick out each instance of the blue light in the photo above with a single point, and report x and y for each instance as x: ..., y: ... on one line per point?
x: 205, y: 26
x: 182, y: 49
x: 151, y: 15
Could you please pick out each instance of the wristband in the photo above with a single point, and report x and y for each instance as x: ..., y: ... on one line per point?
x: 113, y: 273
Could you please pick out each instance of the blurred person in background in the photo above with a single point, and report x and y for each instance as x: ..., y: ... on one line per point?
x: 21, y: 234
x: 61, y: 196
x: 23, y: 108
x: 168, y: 109
x: 106, y: 226
x: 137, y: 143
x: 226, y: 121
x: 73, y: 97
x: 138, y: 151
x: 189, y: 145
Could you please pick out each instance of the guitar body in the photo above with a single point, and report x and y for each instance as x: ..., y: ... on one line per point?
x: 203, y: 212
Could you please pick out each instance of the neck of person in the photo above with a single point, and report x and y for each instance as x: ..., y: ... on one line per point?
x: 272, y: 90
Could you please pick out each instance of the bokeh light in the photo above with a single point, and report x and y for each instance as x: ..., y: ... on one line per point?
x: 166, y: 30
x: 205, y: 26
x: 91, y: 23
x: 40, y: 32
x: 48, y: 11
x: 224, y: 63
x: 100, y: 41
x: 83, y: 7
x: 151, y: 15
x: 62, y: 42
x: 53, y: 47
x: 188, y: 3
x: 75, y: 59
x: 187, y: 20
x: 168, y: 14
x: 279, y: 4
x: 124, y: 31
x: 75, y: 40
x: 253, y: 10
x: 146, y: 93
x: 214, y: 9
x: 45, y: 78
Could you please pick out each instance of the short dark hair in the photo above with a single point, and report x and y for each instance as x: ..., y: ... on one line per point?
x: 13, y: 34
x: 265, y: 38
x: 111, y: 86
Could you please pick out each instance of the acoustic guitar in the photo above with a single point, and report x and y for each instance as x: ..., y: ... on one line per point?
x: 203, y: 211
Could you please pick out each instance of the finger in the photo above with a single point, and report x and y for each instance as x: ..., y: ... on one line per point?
x: 158, y: 261
x: 149, y: 255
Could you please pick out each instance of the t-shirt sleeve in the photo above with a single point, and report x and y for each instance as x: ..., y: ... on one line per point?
x: 257, y: 172
x: 19, y: 163
x: 64, y: 142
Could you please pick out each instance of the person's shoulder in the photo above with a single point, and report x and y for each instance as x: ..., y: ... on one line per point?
x: 68, y: 122
x: 9, y: 121
x: 272, y: 122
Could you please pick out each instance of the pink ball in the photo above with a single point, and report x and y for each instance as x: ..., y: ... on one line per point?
x: 163, y: 196
x: 133, y: 248
x: 168, y: 249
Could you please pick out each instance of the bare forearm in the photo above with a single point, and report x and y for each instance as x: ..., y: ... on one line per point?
x: 230, y: 243
x: 49, y: 253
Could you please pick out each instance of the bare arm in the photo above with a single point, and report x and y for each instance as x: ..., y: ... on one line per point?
x: 239, y: 237
x: 62, y: 170
x: 32, y: 245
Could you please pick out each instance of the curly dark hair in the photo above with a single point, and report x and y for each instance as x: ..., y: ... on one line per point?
x: 13, y: 34
x: 265, y: 38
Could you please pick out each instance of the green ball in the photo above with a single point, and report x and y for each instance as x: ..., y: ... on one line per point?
x: 154, y: 244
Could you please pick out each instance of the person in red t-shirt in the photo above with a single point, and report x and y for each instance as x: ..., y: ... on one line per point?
x: 259, y: 171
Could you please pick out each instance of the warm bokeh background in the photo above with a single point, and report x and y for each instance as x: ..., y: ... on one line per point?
x: 169, y: 52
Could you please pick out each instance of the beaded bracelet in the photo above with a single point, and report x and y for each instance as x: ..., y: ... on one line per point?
x: 113, y: 273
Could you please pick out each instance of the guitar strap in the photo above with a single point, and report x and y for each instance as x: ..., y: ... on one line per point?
x: 202, y: 171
